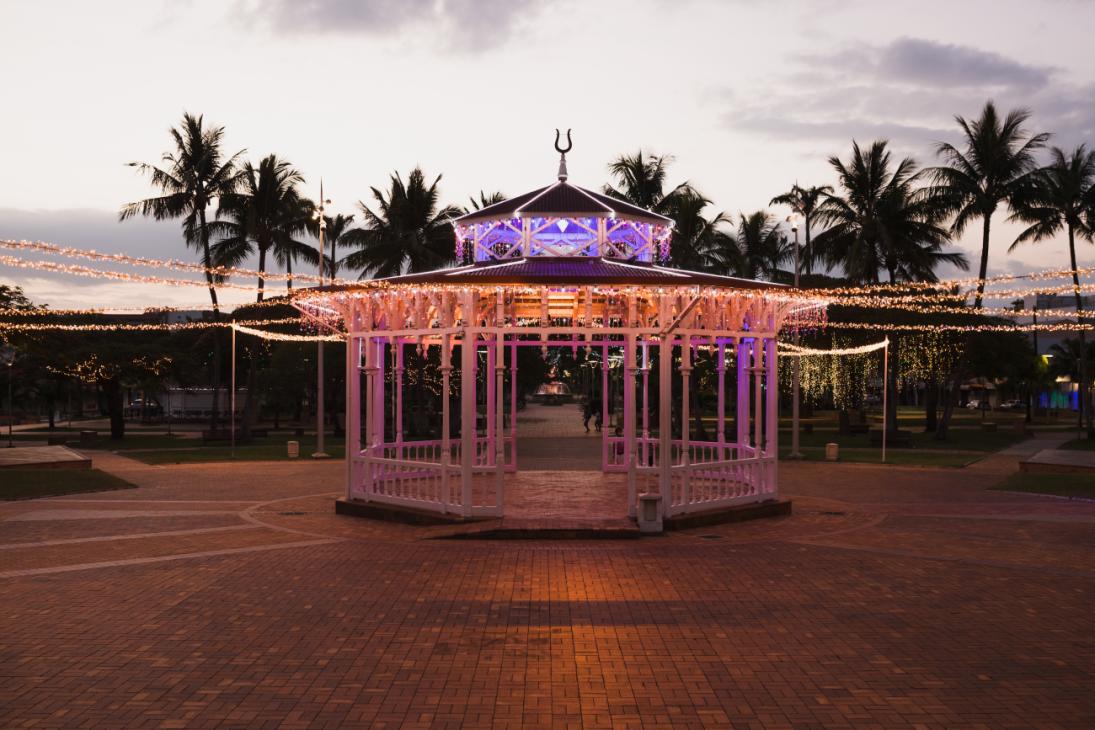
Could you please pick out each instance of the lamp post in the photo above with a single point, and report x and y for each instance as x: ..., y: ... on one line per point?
x: 7, y: 356
x: 320, y: 216
x: 796, y: 363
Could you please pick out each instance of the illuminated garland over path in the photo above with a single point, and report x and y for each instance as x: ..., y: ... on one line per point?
x: 93, y: 255
x: 798, y: 351
x: 1040, y: 327
x: 86, y: 271
x: 123, y: 327
x: 280, y: 337
x: 203, y: 307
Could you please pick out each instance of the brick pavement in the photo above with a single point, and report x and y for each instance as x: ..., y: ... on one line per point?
x: 892, y: 597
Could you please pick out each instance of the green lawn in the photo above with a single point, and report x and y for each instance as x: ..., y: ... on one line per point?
x: 957, y: 440
x: 268, y: 449
x: 1078, y: 445
x: 1063, y: 485
x: 898, y: 457
x: 32, y: 483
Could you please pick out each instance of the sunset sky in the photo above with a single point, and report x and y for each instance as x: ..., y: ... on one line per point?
x: 748, y: 96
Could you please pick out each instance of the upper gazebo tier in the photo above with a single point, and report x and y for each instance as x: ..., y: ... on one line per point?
x: 563, y: 220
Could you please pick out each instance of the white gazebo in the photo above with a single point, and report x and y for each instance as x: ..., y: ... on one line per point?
x: 561, y: 266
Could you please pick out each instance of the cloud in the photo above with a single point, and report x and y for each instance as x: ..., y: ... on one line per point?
x: 907, y: 91
x: 943, y: 64
x: 461, y: 24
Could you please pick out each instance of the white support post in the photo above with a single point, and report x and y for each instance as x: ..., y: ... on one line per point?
x: 686, y: 457
x: 513, y: 404
x: 498, y: 416
x: 741, y: 416
x: 758, y: 396
x: 379, y: 431
x: 721, y: 418
x: 446, y: 437
x: 492, y: 392
x: 771, y: 441
x: 370, y: 407
x: 353, y: 408
x: 665, y: 407
x: 467, y: 417
x: 398, y: 398
x: 646, y: 404
x: 604, y: 406
x: 629, y: 421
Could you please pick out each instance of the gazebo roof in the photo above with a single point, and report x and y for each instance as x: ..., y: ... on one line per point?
x: 565, y: 271
x: 565, y: 200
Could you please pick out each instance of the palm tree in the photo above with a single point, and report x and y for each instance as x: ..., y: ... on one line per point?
x: 195, y: 174
x: 804, y: 202
x: 337, y: 227
x: 881, y: 223
x: 406, y: 234
x: 700, y: 242
x: 1063, y: 199
x: 994, y: 167
x: 263, y: 216
x: 484, y: 200
x: 762, y: 245
x: 641, y: 182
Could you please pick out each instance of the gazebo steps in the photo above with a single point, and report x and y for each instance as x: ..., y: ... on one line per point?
x: 549, y: 528
x: 723, y: 515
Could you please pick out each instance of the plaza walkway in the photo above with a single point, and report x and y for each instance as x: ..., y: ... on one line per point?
x: 230, y: 595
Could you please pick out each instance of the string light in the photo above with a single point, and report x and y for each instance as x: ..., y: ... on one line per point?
x: 1040, y: 327
x: 281, y: 337
x: 86, y: 271
x: 198, y: 308
x: 791, y: 350
x: 130, y: 327
x: 93, y: 255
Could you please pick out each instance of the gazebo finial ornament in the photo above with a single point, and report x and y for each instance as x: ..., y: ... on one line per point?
x: 563, y: 154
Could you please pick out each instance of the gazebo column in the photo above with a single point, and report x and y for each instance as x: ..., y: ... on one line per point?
x: 665, y: 408
x: 629, y: 420
x: 370, y: 405
x: 513, y: 403
x: 398, y: 397
x: 741, y: 415
x: 353, y: 409
x: 492, y: 392
x: 604, y: 405
x: 446, y: 418
x: 721, y: 418
x: 379, y: 431
x: 686, y: 456
x: 771, y: 441
x: 646, y: 404
x: 498, y: 443
x: 467, y: 417
x: 758, y: 396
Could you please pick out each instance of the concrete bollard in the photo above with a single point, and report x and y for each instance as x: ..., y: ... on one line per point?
x: 650, y: 513
x: 832, y: 452
x: 294, y: 449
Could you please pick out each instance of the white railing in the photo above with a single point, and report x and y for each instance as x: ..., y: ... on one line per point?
x: 415, y: 474
x: 715, y: 475
x: 648, y: 452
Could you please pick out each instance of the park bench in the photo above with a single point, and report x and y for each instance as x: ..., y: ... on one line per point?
x: 988, y: 425
x: 221, y: 435
x: 857, y: 423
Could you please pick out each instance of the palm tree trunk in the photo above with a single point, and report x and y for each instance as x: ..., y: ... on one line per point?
x: 262, y: 270
x: 983, y: 271
x: 1085, y: 408
x: 808, y: 251
x: 289, y: 273
x: 207, y: 262
x: 931, y: 404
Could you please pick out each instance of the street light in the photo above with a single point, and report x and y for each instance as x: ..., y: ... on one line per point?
x: 320, y: 216
x: 7, y: 356
x: 796, y: 363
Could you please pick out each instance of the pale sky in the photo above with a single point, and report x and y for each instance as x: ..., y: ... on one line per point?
x: 748, y: 96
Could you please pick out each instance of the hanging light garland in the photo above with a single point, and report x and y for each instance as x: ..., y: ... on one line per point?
x: 1040, y: 327
x: 281, y: 337
x: 93, y: 255
x: 132, y: 327
x: 790, y: 350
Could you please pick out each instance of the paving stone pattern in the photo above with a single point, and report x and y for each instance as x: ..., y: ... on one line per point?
x: 230, y: 595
